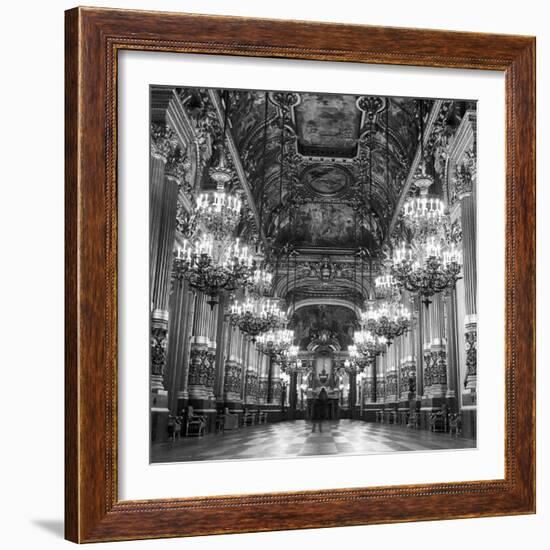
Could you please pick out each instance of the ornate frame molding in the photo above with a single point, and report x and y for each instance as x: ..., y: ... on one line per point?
x: 93, y: 39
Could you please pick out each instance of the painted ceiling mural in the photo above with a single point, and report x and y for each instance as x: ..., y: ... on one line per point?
x: 316, y: 321
x: 327, y: 125
x: 326, y: 173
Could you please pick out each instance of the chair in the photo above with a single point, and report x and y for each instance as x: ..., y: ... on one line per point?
x: 438, y: 422
x: 174, y: 427
x: 231, y: 421
x: 414, y: 421
x: 249, y: 418
x: 195, y: 424
x: 455, y: 424
x: 262, y: 417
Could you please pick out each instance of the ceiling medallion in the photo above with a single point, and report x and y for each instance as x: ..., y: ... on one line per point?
x: 326, y: 180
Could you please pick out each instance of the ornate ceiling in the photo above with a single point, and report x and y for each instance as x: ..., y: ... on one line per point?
x: 337, y: 183
x: 324, y: 176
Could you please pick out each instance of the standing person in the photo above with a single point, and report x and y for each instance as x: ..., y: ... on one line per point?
x: 320, y: 410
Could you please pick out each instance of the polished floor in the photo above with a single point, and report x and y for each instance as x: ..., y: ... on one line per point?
x: 292, y: 439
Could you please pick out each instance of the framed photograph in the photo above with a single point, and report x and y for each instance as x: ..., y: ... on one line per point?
x: 300, y: 275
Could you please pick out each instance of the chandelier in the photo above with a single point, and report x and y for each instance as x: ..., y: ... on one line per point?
x: 290, y: 362
x: 274, y: 342
x: 219, y: 212
x: 354, y: 363
x: 389, y: 320
x: 212, y: 265
x: 368, y: 345
x: 256, y: 315
x: 260, y: 282
x: 424, y: 214
x: 433, y: 269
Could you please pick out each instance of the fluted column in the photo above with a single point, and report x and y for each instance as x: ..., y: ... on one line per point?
x: 276, y: 388
x: 391, y: 374
x: 468, y: 218
x: 452, y: 347
x: 418, y: 324
x: 263, y: 378
x: 183, y: 393
x: 167, y: 162
x: 408, y: 367
x: 180, y: 300
x: 201, y: 368
x: 438, y: 348
x: 381, y: 378
x: 233, y: 371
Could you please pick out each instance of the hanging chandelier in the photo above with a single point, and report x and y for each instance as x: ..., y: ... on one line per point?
x: 388, y: 320
x: 256, y: 315
x: 260, y: 282
x: 425, y: 215
x: 218, y: 213
x: 432, y: 268
x: 354, y: 362
x: 212, y: 265
x: 290, y: 362
x: 369, y: 345
x: 274, y: 342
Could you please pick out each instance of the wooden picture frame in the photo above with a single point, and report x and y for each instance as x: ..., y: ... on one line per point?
x: 93, y: 39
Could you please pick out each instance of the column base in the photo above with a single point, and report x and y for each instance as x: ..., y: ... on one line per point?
x: 159, y: 425
x: 469, y: 423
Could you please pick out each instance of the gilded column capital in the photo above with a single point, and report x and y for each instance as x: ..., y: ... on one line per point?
x: 465, y: 176
x: 163, y: 141
x: 177, y: 164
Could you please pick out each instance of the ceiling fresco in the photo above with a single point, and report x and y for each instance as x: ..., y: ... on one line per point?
x: 326, y: 180
x: 327, y: 125
x: 326, y: 173
x: 325, y: 224
x: 309, y: 321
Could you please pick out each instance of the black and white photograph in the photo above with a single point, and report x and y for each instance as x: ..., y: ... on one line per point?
x: 312, y: 274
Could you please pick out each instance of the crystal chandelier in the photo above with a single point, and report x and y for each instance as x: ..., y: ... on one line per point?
x: 212, y: 265
x: 389, y: 320
x: 424, y: 214
x: 434, y: 268
x: 275, y: 342
x: 260, y: 282
x: 256, y: 315
x: 218, y: 211
x: 290, y: 362
x: 353, y: 363
x: 368, y: 345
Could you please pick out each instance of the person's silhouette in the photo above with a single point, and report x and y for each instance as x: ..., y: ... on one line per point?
x: 320, y: 409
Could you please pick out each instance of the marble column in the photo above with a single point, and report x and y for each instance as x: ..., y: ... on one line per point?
x: 452, y: 348
x: 391, y: 375
x: 183, y: 393
x: 201, y: 368
x: 369, y: 392
x: 276, y: 387
x: 438, y: 349
x: 418, y: 324
x: 352, y: 395
x: 180, y: 300
x: 468, y: 219
x: 233, y: 371
x: 408, y: 367
x: 167, y: 162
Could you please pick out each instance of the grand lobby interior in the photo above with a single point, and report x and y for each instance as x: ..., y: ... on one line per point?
x: 312, y: 274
